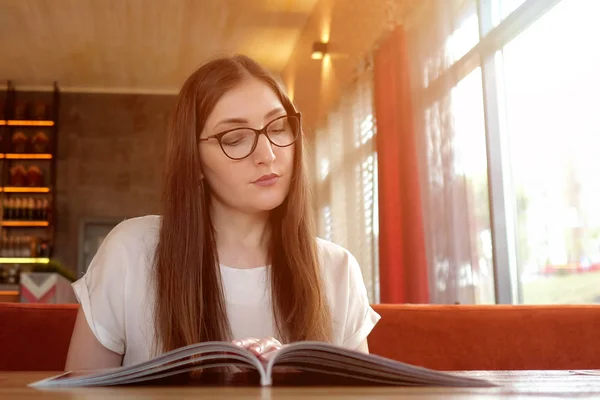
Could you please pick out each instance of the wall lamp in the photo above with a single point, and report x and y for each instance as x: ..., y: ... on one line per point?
x: 319, y: 49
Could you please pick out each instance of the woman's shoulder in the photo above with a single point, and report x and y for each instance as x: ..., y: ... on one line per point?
x: 132, y: 240
x: 137, y: 230
x: 331, y: 249
x: 128, y: 248
x: 335, y: 259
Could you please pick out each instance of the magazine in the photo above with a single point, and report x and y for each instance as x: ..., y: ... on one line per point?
x: 328, y: 362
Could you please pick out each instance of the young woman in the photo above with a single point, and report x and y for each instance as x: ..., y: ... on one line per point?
x: 233, y: 255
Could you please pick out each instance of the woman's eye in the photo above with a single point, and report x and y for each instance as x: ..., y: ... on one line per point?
x: 231, y: 143
x: 236, y: 138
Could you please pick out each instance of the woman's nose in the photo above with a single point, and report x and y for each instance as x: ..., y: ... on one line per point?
x: 264, y: 150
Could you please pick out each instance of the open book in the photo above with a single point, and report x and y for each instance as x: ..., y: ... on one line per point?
x: 317, y: 359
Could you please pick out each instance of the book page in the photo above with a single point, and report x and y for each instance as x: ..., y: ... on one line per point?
x: 208, y: 353
x: 326, y: 358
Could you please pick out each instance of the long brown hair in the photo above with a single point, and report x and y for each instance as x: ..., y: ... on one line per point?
x: 190, y: 305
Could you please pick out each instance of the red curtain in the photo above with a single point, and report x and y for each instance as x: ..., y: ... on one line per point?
x: 402, y: 260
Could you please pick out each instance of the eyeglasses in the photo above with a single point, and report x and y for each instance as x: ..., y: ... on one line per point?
x: 239, y: 143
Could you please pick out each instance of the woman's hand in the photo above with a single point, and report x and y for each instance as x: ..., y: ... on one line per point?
x: 262, y: 348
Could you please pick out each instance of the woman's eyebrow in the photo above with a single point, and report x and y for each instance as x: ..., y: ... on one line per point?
x: 237, y: 120
x: 232, y: 121
x: 274, y: 112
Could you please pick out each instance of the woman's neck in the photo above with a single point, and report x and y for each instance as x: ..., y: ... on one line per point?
x: 242, y: 239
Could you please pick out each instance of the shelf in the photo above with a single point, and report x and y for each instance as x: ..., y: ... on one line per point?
x: 18, y: 122
x: 8, y: 289
x: 8, y: 286
x: 24, y: 260
x: 24, y: 189
x: 25, y: 224
x: 38, y: 151
x: 26, y: 156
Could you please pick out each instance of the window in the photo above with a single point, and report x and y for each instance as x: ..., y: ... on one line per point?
x: 347, y: 185
x: 553, y: 127
x: 470, y: 165
x: 466, y: 33
x: 450, y: 128
x: 510, y: 112
x: 457, y: 206
x: 500, y: 9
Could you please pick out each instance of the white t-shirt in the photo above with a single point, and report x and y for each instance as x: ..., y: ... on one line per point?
x: 116, y: 293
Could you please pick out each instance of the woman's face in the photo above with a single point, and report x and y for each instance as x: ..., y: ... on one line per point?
x: 261, y: 181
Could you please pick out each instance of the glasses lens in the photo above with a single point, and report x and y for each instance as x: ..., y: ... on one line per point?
x: 284, y: 131
x: 238, y: 143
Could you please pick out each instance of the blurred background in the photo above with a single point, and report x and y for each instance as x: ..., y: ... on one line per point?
x: 453, y: 143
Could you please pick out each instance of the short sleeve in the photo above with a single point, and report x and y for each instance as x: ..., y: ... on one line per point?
x: 101, y: 293
x: 360, y: 316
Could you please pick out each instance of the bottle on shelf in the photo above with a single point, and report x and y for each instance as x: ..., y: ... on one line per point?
x: 5, y: 208
x: 30, y: 209
x: 14, y: 275
x: 18, y: 175
x: 43, y: 250
x: 38, y: 215
x: 45, y: 210
x: 18, y: 209
x: 10, y: 248
x: 17, y: 247
x: 19, y: 142
x: 25, y: 209
x: 23, y: 246
x: 35, y: 177
x: 4, y: 245
x: 40, y: 142
x: 40, y: 110
x: 20, y: 110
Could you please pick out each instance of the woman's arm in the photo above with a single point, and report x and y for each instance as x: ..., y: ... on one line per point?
x: 86, y: 352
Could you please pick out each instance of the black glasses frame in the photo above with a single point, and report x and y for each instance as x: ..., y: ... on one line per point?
x: 257, y: 132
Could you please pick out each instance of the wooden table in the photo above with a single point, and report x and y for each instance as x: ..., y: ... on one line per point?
x: 514, y: 384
